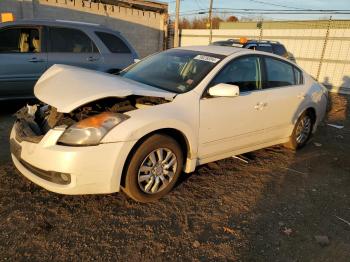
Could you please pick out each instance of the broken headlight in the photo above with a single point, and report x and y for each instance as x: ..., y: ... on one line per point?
x: 91, y: 130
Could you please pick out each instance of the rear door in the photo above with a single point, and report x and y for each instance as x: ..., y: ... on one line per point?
x: 23, y: 59
x: 284, y: 94
x: 72, y: 47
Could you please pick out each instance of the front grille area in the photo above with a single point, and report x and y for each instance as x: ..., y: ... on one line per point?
x: 24, y: 132
x: 27, y: 129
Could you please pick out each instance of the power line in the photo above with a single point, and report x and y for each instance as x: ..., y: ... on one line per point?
x: 277, y: 10
x: 326, y: 11
x: 270, y: 13
x: 200, y: 6
x: 265, y: 11
x: 279, y: 5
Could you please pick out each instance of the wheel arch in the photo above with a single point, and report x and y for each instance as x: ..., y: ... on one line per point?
x: 312, y: 112
x: 178, y: 135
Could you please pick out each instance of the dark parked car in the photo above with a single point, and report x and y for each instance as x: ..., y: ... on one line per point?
x: 28, y: 48
x: 265, y: 46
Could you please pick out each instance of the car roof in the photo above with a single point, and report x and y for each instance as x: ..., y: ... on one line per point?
x: 249, y: 41
x: 219, y: 50
x: 48, y: 22
x: 229, y: 50
x: 263, y: 42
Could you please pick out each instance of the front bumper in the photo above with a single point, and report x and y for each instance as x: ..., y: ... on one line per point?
x: 91, y: 170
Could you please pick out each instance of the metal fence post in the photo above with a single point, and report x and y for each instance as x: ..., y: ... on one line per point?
x: 260, y: 26
x: 324, y: 48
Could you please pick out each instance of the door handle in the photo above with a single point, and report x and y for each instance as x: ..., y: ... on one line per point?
x: 260, y: 105
x: 301, y: 96
x: 91, y: 59
x: 36, y: 60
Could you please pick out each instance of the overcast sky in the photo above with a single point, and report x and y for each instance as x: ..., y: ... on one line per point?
x: 188, y: 5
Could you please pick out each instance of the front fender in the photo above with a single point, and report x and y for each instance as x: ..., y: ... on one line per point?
x: 129, y: 132
x: 181, y: 115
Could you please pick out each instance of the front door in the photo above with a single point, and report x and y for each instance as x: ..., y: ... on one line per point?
x: 233, y: 123
x: 22, y: 61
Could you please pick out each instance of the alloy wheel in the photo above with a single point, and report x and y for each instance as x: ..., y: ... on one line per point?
x: 303, y: 130
x: 157, y: 170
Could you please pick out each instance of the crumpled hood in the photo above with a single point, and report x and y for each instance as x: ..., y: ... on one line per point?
x: 68, y: 87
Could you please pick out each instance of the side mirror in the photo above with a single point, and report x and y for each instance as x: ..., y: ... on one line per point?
x: 224, y: 90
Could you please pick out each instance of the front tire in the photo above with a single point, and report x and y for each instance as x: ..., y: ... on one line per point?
x: 154, y: 168
x: 302, y: 131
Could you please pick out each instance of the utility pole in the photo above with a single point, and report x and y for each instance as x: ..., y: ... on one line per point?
x: 176, y: 29
x: 211, y: 21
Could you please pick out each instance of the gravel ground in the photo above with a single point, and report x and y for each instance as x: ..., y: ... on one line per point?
x: 280, y: 206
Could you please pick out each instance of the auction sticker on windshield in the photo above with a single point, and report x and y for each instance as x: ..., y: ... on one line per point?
x: 210, y: 59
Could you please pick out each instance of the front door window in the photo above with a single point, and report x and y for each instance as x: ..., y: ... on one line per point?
x: 20, y: 40
x: 243, y: 72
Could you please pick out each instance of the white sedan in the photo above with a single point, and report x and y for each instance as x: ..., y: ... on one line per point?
x: 161, y: 117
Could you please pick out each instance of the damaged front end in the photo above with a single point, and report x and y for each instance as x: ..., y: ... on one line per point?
x: 56, y: 142
x: 84, y: 126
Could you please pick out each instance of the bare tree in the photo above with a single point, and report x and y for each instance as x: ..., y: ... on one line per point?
x: 232, y: 18
x: 200, y: 22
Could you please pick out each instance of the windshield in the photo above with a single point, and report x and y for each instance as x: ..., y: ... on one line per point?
x: 175, y: 70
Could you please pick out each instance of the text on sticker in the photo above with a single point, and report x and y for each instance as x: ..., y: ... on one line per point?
x: 207, y: 58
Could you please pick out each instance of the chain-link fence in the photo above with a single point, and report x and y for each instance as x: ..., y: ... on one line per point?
x: 320, y: 47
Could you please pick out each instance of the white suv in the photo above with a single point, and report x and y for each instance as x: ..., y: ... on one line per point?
x: 175, y: 110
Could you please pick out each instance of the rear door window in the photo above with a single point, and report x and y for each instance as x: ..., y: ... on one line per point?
x: 280, y: 50
x: 20, y: 40
x: 279, y: 73
x: 264, y: 48
x: 113, y: 43
x: 67, y: 40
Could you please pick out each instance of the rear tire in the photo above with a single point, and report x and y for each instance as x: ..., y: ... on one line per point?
x: 302, y: 132
x: 153, y: 169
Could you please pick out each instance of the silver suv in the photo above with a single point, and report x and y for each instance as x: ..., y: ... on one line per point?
x: 29, y: 47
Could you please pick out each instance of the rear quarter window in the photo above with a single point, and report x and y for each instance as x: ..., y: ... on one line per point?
x: 113, y: 43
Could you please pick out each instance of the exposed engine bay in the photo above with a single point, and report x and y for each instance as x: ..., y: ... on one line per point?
x: 34, y: 121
